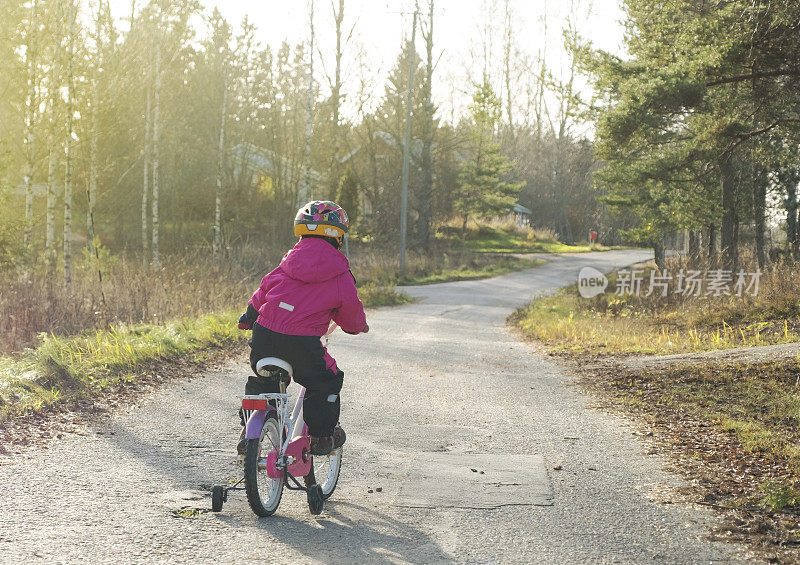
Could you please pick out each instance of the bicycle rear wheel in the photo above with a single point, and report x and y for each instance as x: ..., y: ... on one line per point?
x: 326, y: 471
x: 263, y: 492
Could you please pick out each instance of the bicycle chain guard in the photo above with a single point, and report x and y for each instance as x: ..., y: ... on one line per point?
x: 299, y: 451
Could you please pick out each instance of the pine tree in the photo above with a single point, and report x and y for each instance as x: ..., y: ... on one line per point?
x: 483, y: 191
x: 347, y: 195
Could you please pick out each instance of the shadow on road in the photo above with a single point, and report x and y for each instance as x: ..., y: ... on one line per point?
x: 349, y: 533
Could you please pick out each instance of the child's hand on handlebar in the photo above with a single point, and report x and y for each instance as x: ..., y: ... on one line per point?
x: 244, y: 322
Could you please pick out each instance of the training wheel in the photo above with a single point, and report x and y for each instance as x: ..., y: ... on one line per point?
x: 315, y: 499
x: 218, y: 496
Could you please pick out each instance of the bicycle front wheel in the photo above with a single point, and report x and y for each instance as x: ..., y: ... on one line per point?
x: 263, y: 492
x: 326, y: 471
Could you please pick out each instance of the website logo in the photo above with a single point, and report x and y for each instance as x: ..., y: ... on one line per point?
x: 591, y: 282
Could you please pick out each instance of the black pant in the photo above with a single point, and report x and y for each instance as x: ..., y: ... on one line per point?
x: 306, y: 356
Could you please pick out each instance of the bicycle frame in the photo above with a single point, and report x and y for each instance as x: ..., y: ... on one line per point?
x: 293, y: 459
x: 294, y: 456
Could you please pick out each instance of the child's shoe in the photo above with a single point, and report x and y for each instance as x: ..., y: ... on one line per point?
x: 325, y: 445
x: 321, y: 445
x: 338, y: 437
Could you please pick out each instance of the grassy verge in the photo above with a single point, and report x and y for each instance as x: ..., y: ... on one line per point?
x: 71, y: 368
x: 65, y: 369
x: 503, y: 243
x: 374, y: 295
x: 609, y: 324
x: 476, y: 269
x: 507, y: 237
x: 566, y: 324
x: 734, y: 430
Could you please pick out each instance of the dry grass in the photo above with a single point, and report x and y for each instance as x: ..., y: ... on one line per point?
x: 442, y: 262
x: 186, y: 286
x: 505, y: 236
x: 507, y: 225
x: 190, y: 285
x: 612, y: 324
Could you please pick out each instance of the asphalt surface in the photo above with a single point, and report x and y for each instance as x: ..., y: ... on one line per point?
x: 434, y: 384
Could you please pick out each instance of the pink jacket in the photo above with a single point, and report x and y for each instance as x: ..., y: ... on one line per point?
x: 312, y: 286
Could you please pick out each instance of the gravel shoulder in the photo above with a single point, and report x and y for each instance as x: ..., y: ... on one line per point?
x: 441, y: 376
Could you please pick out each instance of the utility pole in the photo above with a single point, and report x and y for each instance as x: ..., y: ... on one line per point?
x: 309, y: 103
x: 406, y: 148
x: 426, y: 162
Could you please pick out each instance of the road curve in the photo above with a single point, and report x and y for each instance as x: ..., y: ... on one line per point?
x: 437, y: 386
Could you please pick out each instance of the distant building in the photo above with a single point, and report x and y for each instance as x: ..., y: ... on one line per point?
x: 252, y: 163
x: 521, y: 215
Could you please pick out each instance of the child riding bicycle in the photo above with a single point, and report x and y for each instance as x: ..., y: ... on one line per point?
x: 294, y: 306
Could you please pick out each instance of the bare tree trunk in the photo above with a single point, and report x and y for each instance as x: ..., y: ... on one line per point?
x: 728, y: 229
x: 694, y: 248
x: 759, y: 211
x: 542, y: 78
x: 336, y: 93
x: 712, y: 243
x: 507, y: 57
x: 789, y: 178
x: 426, y: 188
x: 93, y: 166
x: 156, y: 148
x: 310, y: 101
x: 30, y: 122
x: 52, y: 172
x: 220, y: 164
x: 50, y: 222
x: 146, y: 176
x: 659, y: 255
x: 68, y: 152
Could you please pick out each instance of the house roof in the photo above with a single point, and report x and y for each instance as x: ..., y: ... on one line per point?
x: 263, y: 160
x: 389, y: 139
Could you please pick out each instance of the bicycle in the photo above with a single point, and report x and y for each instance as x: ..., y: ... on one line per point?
x: 279, y: 449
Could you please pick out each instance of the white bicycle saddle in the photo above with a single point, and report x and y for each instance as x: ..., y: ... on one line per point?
x: 262, y: 366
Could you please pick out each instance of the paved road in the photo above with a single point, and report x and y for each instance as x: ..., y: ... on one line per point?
x: 437, y: 386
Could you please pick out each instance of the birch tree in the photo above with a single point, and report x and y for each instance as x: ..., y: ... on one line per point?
x: 54, y: 89
x: 146, y: 157
x: 336, y: 86
x: 95, y: 108
x: 156, y: 133
x: 219, y: 47
x: 508, y: 56
x: 220, y: 166
x: 31, y: 106
x: 310, y: 100
x: 70, y: 110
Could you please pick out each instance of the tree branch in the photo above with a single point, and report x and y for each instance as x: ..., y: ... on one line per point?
x: 753, y: 76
